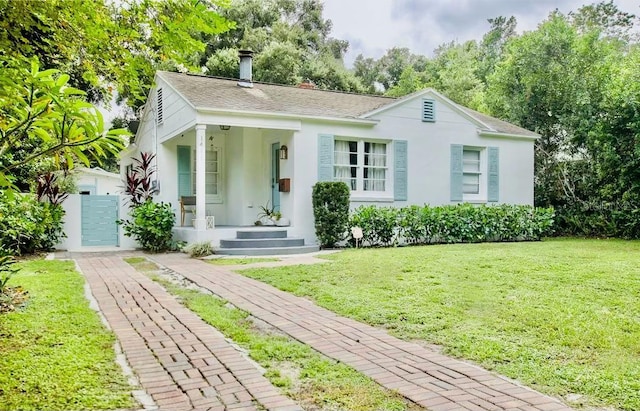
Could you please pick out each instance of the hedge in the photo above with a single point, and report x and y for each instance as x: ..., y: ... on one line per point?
x: 463, y: 223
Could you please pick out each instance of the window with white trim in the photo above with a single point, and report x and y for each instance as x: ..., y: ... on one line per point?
x: 213, y: 177
x: 473, y: 177
x: 362, y: 165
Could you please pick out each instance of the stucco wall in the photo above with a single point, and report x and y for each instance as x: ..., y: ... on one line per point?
x: 73, y: 229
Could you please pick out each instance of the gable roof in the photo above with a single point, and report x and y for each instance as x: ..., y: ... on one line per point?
x: 499, y: 126
x: 217, y: 93
x: 485, y: 123
x: 204, y: 92
x: 96, y: 171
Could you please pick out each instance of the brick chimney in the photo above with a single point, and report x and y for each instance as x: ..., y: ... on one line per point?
x: 307, y: 84
x: 246, y: 58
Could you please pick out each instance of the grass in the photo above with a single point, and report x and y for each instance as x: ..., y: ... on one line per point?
x: 562, y: 316
x: 310, y: 379
x: 55, y: 354
x: 239, y: 261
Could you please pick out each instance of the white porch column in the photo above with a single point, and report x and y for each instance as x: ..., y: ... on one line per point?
x: 201, y: 208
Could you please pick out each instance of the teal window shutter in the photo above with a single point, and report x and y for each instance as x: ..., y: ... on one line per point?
x: 400, y: 170
x: 325, y: 157
x: 493, y: 175
x: 184, y: 171
x: 456, y: 172
x: 428, y: 110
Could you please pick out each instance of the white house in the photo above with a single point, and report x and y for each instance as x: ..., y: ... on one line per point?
x: 230, y: 143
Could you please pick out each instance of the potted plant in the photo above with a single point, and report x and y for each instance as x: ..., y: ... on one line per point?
x: 279, y: 220
x: 266, y: 215
x: 269, y: 216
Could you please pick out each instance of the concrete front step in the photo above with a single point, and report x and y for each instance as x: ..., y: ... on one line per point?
x: 261, y: 233
x: 261, y: 242
x: 268, y: 251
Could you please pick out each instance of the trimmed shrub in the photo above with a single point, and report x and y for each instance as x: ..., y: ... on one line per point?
x: 463, y: 223
x: 151, y: 225
x: 379, y: 224
x: 331, y: 212
x: 27, y: 225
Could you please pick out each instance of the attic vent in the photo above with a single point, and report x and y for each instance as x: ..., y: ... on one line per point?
x: 159, y: 117
x: 428, y: 110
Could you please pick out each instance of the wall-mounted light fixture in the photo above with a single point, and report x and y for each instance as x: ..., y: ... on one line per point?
x: 284, y: 152
x: 225, y: 128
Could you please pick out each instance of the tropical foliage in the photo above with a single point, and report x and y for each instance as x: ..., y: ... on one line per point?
x: 28, y: 225
x: 105, y: 45
x: 45, y: 123
x: 149, y: 223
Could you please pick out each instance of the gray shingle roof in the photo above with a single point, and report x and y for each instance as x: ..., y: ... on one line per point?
x: 212, y: 92
x: 499, y: 125
x: 218, y: 93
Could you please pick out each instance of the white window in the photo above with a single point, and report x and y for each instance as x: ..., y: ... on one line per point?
x: 471, y: 171
x: 473, y: 177
x: 213, y: 178
x: 362, y: 165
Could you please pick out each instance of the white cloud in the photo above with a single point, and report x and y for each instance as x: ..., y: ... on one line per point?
x: 374, y: 26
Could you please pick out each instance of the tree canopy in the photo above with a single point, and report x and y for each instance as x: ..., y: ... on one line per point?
x: 109, y: 46
x: 58, y: 56
x: 292, y: 42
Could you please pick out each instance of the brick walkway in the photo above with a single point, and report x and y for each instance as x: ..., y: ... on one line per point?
x: 430, y: 379
x: 183, y: 363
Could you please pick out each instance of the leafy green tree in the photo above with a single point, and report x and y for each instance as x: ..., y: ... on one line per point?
x: 365, y: 69
x: 605, y: 17
x: 501, y: 30
x: 103, y: 44
x: 453, y: 71
x: 42, y: 117
x: 279, y: 63
x: 409, y: 81
x: 291, y: 41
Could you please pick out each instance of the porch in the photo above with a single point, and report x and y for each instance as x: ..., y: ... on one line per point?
x: 228, y: 173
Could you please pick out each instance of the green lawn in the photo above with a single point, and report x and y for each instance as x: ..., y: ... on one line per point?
x: 562, y: 316
x: 55, y: 353
x: 313, y: 381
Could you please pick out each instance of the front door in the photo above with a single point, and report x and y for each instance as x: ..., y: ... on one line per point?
x: 275, y: 176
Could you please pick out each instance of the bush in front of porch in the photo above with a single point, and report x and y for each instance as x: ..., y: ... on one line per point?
x: 331, y: 211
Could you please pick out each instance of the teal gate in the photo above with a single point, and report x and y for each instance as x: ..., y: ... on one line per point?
x: 99, y: 215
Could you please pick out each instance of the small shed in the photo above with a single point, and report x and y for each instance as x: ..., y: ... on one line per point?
x: 96, y: 181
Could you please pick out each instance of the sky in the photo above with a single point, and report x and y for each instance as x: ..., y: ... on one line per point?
x: 374, y: 26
